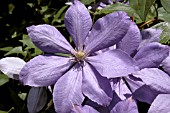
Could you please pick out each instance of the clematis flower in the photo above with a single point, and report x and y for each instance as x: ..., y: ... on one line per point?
x: 147, y: 53
x: 82, y: 73
x: 160, y: 104
x: 144, y: 48
x: 126, y: 106
x: 166, y: 64
x: 83, y: 109
x: 100, y: 4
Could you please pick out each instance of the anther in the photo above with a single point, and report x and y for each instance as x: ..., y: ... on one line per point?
x: 80, y: 55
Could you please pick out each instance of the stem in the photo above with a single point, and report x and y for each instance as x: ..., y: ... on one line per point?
x: 156, y: 11
x: 147, y: 22
x: 93, y: 19
x: 133, y: 18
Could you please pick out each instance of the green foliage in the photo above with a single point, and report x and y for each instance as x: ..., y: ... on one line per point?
x: 117, y: 7
x: 141, y: 7
x: 6, y: 48
x: 27, y: 43
x: 3, y: 79
x: 37, y: 98
x: 18, y: 101
x: 163, y: 14
x: 57, y: 16
x: 16, y: 50
x: 166, y: 5
x: 165, y: 35
x: 87, y: 2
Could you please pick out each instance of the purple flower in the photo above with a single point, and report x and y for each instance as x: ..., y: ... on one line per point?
x: 100, y: 4
x: 160, y: 104
x: 84, y: 109
x: 166, y: 64
x: 83, y: 73
x: 126, y: 106
x: 147, y: 53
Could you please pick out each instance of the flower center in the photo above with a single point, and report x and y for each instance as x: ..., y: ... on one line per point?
x: 80, y: 55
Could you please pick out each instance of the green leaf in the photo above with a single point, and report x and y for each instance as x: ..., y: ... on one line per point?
x: 165, y: 35
x: 56, y: 17
x: 43, y: 9
x: 27, y: 41
x: 30, y: 45
x: 11, y: 7
x: 162, y: 14
x: 117, y: 7
x: 37, y: 98
x: 151, y: 13
x: 30, y: 4
x: 14, y: 35
x: 22, y: 95
x: 166, y: 5
x: 141, y: 7
x: 4, y: 111
x: 7, y: 111
x: 3, y: 79
x: 19, y: 103
x: 87, y: 2
x: 6, y: 48
x: 16, y: 50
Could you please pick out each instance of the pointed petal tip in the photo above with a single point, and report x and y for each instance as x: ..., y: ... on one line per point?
x: 30, y: 28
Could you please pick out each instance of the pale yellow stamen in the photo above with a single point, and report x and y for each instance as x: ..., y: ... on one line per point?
x: 80, y: 55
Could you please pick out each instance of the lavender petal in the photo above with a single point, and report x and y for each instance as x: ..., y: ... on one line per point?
x: 151, y: 55
x: 78, y: 23
x: 44, y: 70
x: 131, y: 40
x: 113, y: 63
x: 107, y: 31
x: 67, y: 91
x: 91, y: 87
x: 48, y: 39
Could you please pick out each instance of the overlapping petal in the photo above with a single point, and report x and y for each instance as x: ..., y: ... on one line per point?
x: 91, y: 88
x: 160, y: 104
x: 134, y: 83
x: 103, y: 82
x: 48, y: 39
x: 126, y: 106
x: 145, y: 94
x: 155, y: 78
x: 78, y: 23
x: 131, y: 40
x: 151, y: 55
x: 44, y: 70
x: 150, y: 35
x: 121, y: 89
x: 84, y: 109
x: 113, y: 63
x: 166, y: 65
x: 107, y: 31
x: 68, y: 91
